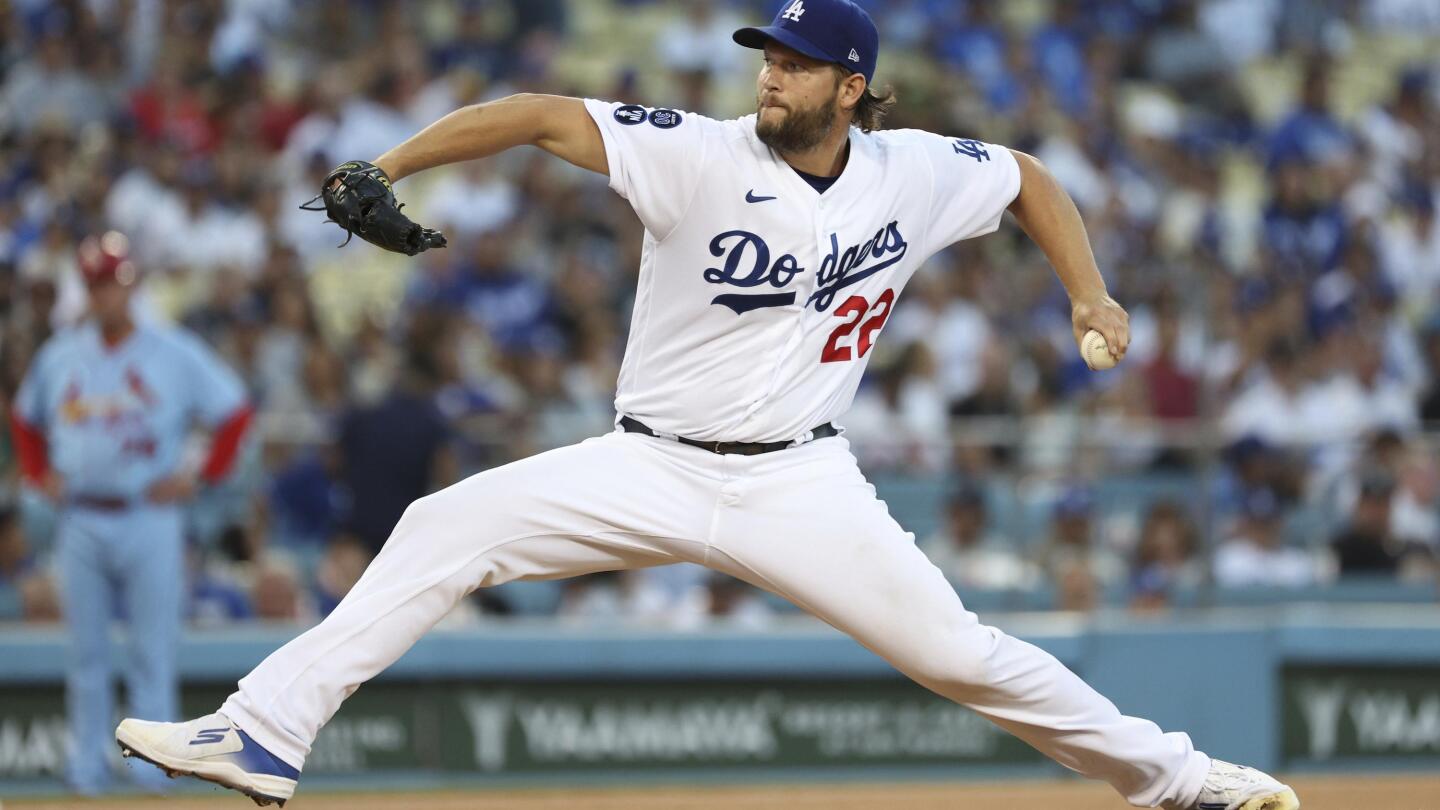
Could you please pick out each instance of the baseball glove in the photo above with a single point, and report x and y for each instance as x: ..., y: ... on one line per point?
x: 358, y: 198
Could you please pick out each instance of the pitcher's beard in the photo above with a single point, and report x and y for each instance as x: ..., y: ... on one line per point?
x: 799, y: 130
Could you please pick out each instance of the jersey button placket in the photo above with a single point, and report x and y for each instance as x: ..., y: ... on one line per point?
x: 803, y: 290
x: 822, y: 247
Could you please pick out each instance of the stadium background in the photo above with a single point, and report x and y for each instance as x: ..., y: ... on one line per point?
x: 1252, y: 498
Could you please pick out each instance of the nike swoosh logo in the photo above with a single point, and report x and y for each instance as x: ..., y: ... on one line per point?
x: 751, y: 198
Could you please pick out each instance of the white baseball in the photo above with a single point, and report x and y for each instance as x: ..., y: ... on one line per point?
x: 1096, y: 351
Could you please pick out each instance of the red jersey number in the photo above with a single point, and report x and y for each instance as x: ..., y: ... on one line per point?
x: 854, y: 311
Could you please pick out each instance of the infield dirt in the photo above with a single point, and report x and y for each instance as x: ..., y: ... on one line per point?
x: 1358, y: 792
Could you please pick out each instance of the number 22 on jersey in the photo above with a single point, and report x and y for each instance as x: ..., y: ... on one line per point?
x: 854, y: 311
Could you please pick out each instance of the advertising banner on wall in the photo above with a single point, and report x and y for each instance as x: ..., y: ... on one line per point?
x: 1360, y: 713
x: 557, y: 726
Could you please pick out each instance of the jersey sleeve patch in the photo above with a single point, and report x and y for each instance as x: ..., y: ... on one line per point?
x: 630, y: 114
x: 662, y: 118
x: 973, y: 183
x: 971, y: 148
x: 654, y: 162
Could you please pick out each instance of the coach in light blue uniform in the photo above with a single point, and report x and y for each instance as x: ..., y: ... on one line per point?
x: 100, y: 424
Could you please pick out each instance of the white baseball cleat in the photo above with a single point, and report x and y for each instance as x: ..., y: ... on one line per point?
x: 214, y: 749
x: 1236, y: 787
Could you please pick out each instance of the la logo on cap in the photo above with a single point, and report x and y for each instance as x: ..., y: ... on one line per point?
x: 795, y: 11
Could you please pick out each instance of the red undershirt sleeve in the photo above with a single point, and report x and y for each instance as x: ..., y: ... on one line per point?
x: 31, y: 448
x: 225, y: 444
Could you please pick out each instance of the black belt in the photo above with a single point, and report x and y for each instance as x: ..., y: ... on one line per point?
x: 100, y: 503
x: 725, y: 448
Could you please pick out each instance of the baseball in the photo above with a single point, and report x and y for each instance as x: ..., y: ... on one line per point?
x: 1096, y: 351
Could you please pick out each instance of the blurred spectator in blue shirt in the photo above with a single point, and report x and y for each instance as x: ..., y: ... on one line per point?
x: 472, y: 44
x: 513, y: 306
x: 1059, y: 53
x: 1311, y: 133
x: 1304, y: 229
x: 303, y: 500
x: 978, y: 45
x: 1252, y: 464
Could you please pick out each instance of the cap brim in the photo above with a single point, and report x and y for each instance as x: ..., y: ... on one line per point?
x: 757, y: 37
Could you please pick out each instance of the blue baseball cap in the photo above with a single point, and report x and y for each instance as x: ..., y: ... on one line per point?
x: 833, y: 30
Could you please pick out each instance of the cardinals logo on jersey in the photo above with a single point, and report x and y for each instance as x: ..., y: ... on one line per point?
x: 130, y: 402
x: 137, y: 386
x: 73, y: 407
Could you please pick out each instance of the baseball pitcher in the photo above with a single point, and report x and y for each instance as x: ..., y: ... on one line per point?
x: 776, y: 246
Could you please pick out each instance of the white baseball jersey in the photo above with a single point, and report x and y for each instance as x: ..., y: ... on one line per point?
x: 759, y: 301
x: 759, y: 298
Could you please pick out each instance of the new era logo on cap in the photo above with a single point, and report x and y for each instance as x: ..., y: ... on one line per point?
x: 837, y: 31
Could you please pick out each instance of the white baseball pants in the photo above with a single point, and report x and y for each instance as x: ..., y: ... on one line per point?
x: 801, y: 522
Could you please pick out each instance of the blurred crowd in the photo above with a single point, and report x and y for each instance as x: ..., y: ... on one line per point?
x: 1259, y: 179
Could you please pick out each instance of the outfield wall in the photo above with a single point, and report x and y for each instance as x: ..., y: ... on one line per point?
x: 1295, y: 688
